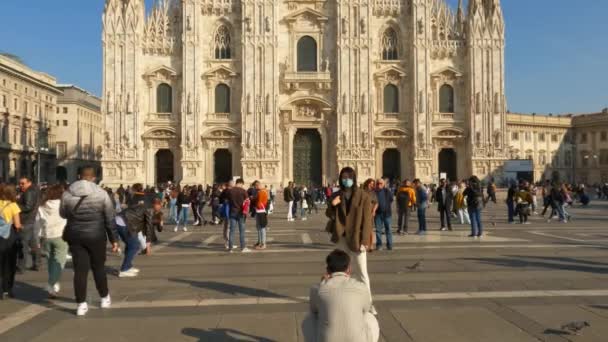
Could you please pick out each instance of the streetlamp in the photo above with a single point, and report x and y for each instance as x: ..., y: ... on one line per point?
x: 42, y: 147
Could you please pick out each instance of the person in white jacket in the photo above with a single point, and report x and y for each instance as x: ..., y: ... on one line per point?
x: 52, y: 226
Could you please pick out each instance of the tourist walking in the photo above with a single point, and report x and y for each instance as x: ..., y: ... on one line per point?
x: 261, y: 203
x: 10, y: 225
x: 194, y: 204
x: 239, y: 207
x: 524, y: 201
x: 511, y: 202
x: 90, y: 224
x: 492, y: 191
x: 29, y: 235
x: 288, y: 196
x: 422, y: 202
x: 174, y: 194
x: 183, y: 205
x: 461, y: 204
x: 52, y: 226
x: 132, y: 221
x: 383, y: 215
x: 444, y: 198
x: 350, y: 223
x: 475, y: 201
x: 406, y: 200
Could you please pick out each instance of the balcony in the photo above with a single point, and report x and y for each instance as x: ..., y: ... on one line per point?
x: 320, y: 79
x: 162, y: 119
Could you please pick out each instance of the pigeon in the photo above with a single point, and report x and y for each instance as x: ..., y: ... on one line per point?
x: 575, y: 327
x: 415, y: 267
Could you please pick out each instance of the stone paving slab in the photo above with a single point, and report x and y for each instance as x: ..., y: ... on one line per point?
x: 459, y: 325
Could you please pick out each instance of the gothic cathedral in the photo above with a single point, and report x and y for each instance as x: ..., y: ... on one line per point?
x: 200, y: 91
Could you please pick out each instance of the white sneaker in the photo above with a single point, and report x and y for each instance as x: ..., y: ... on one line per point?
x: 304, y: 219
x: 51, y: 290
x: 175, y: 229
x: 82, y: 309
x: 106, y: 302
x: 56, y: 288
x: 246, y: 250
x: 127, y: 274
x: 133, y: 269
x: 185, y: 229
x: 196, y: 223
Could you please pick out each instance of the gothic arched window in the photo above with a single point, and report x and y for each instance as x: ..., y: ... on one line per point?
x: 389, y: 45
x: 164, y: 98
x: 307, y: 54
x: 446, y: 99
x: 222, y: 43
x: 391, y: 99
x: 222, y: 98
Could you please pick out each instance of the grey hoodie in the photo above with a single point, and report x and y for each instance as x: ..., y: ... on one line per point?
x: 93, y: 219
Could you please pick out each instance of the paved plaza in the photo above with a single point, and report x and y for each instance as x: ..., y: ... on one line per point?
x: 519, y: 283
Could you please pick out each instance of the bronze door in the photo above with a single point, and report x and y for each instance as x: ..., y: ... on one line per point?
x: 307, y: 157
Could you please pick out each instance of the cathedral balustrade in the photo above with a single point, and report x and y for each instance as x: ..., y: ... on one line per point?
x: 293, y: 80
x: 162, y: 118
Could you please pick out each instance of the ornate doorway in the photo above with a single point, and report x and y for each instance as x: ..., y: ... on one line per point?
x: 222, y: 166
x: 164, y: 166
x: 391, y: 164
x: 448, y: 164
x: 307, y: 157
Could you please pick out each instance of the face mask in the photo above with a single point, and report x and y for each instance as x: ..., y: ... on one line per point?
x: 347, y: 182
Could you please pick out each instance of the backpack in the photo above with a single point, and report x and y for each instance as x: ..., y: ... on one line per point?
x: 245, y: 207
x: 5, y: 227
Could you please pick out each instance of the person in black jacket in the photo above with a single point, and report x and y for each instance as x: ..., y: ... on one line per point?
x: 30, y: 242
x: 183, y: 205
x: 90, y: 224
x: 130, y: 222
x: 383, y: 215
x: 444, y: 198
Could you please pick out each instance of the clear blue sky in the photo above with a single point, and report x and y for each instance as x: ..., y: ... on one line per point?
x: 557, y: 50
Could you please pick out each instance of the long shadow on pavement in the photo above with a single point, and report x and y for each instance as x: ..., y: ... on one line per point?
x: 548, y: 263
x: 229, y: 288
x: 222, y: 335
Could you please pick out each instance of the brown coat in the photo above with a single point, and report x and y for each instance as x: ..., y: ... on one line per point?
x: 356, y: 225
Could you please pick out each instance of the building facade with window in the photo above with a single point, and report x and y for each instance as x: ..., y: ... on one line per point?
x: 28, y: 99
x: 79, y: 127
x: 203, y: 90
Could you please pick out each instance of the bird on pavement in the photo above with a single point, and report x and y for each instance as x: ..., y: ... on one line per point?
x: 415, y: 267
x: 575, y: 327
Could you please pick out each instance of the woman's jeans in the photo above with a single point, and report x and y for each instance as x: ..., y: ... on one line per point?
x: 261, y: 230
x: 173, y: 210
x: 235, y: 220
x: 132, y: 247
x: 476, y: 227
x: 58, y: 251
x: 183, y: 216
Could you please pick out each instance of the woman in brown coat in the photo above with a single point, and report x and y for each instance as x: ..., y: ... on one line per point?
x: 350, y: 223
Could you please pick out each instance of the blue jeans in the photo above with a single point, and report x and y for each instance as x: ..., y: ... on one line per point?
x: 383, y: 222
x: 132, y: 247
x: 476, y: 227
x: 421, y: 219
x: 183, y: 216
x: 511, y: 211
x: 173, y: 211
x: 240, y: 221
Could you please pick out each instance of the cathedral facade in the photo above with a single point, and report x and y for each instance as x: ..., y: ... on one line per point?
x: 198, y: 91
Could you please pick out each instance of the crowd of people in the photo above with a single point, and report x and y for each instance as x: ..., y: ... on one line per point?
x: 78, y: 221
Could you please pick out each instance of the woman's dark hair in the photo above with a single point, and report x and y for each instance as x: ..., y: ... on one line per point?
x: 137, y: 187
x: 350, y: 172
x: 54, y: 192
x: 367, y: 183
x: 8, y: 192
x: 337, y: 261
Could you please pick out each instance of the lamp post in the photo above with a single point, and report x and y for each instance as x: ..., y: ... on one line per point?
x: 41, y: 148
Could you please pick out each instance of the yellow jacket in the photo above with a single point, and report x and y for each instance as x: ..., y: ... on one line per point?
x: 459, y: 199
x: 411, y: 194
